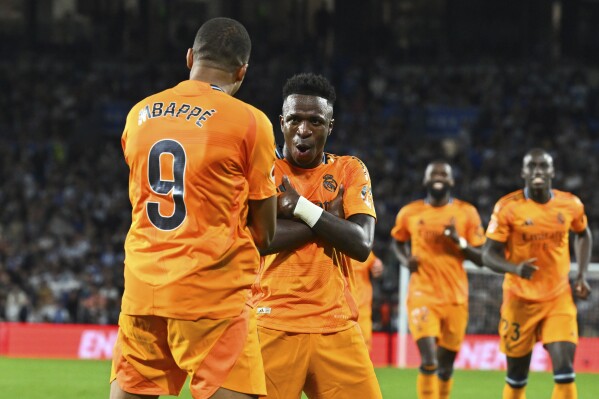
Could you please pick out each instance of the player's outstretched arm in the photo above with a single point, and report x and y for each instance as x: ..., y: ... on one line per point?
x: 493, y: 257
x: 583, y: 242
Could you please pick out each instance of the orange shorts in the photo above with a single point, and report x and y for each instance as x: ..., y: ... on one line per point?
x: 446, y: 322
x: 333, y: 365
x: 154, y: 355
x: 523, y: 323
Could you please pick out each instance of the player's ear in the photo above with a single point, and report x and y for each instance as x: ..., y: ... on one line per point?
x: 331, y: 123
x: 189, y: 58
x: 240, y: 74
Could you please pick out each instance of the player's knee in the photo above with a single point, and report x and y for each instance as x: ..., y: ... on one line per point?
x: 516, y: 379
x: 428, y: 369
x: 564, y: 375
x: 515, y: 383
x: 445, y: 373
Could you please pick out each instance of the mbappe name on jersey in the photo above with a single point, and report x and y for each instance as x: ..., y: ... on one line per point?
x: 159, y: 110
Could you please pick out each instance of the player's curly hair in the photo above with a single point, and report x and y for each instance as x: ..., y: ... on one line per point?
x: 224, y: 42
x: 310, y: 84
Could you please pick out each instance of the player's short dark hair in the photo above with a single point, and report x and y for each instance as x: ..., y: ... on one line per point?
x: 224, y: 42
x: 310, y: 84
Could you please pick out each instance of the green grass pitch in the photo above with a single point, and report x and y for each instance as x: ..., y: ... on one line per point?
x: 70, y: 379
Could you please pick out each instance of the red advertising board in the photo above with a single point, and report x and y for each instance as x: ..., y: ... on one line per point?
x: 481, y: 352
x: 66, y: 341
x: 80, y: 341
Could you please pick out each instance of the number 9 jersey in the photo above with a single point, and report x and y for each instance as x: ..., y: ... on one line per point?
x: 196, y: 156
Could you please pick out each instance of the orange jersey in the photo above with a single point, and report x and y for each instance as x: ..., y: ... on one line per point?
x: 541, y: 231
x: 363, y: 286
x: 307, y: 290
x: 441, y: 277
x: 196, y: 155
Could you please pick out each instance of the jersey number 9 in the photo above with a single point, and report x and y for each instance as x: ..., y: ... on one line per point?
x: 174, y: 188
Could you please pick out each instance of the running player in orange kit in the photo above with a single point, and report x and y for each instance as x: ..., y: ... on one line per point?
x: 363, y: 292
x: 307, y: 314
x: 203, y: 201
x: 528, y: 240
x: 432, y: 238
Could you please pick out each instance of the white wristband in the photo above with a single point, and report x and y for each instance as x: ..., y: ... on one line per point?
x: 462, y: 243
x: 307, y: 211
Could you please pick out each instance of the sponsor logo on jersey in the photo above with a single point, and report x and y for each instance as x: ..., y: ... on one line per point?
x: 263, y: 310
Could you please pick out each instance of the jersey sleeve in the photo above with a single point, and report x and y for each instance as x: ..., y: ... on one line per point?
x: 262, y: 159
x: 499, y: 226
x: 400, y: 231
x: 579, y: 220
x: 125, y: 135
x: 358, y: 191
x: 475, y: 234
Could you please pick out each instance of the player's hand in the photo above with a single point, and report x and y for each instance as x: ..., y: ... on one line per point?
x: 335, y: 207
x: 377, y: 268
x: 287, y: 200
x: 582, y: 289
x: 413, y: 264
x: 450, y: 232
x: 527, y: 268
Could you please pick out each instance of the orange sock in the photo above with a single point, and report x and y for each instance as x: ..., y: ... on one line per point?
x: 445, y: 388
x: 513, y: 393
x: 427, y: 386
x: 565, y: 391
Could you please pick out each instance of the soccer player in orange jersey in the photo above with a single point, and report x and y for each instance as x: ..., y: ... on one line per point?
x: 363, y: 271
x: 204, y: 202
x: 307, y: 314
x: 528, y: 240
x: 432, y: 238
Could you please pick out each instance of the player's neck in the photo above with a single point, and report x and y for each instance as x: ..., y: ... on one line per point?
x: 539, y: 195
x: 436, y: 202
x: 223, y: 79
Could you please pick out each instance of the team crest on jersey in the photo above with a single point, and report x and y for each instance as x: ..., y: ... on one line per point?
x: 366, y: 194
x: 329, y: 183
x: 528, y: 222
x: 560, y: 218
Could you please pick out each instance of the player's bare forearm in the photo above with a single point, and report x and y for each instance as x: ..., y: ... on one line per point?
x: 493, y: 256
x: 583, y: 242
x: 290, y: 235
x: 353, y: 237
x: 473, y: 254
x: 401, y: 251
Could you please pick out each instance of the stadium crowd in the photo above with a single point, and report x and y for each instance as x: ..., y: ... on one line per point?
x: 64, y: 183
